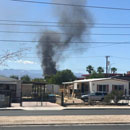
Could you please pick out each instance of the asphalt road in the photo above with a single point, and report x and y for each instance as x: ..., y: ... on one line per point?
x: 66, y: 112
x: 89, y: 127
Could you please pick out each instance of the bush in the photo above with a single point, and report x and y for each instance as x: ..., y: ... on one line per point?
x: 115, y: 95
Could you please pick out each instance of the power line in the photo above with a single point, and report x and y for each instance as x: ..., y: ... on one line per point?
x: 60, y: 53
x: 123, y: 58
x: 54, y: 22
x: 71, y: 57
x: 102, y: 42
x: 84, y: 6
x: 84, y: 48
x: 63, y: 33
x: 33, y: 25
x: 81, y: 48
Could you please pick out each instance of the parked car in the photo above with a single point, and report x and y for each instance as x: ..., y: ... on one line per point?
x: 52, y: 98
x: 98, y: 96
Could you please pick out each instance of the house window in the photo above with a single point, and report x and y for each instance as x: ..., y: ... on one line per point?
x: 78, y: 86
x: 102, y: 88
x: 87, y: 87
x: 82, y: 87
x: 117, y: 87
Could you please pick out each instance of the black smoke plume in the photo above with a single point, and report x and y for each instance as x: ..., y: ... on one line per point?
x: 72, y: 23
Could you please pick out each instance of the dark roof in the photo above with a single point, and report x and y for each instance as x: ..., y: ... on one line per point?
x: 35, y: 83
x: 109, y: 74
x: 123, y: 77
x: 7, y: 79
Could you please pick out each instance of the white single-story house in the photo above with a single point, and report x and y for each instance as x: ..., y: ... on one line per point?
x: 86, y: 86
x: 10, y: 87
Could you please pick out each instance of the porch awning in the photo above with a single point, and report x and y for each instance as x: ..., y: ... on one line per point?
x: 70, y: 86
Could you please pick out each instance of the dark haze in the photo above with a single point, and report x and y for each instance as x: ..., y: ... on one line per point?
x: 72, y: 23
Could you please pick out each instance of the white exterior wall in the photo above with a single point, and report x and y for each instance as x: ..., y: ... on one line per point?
x: 93, y: 84
x: 75, y: 85
x: 91, y: 88
x: 53, y: 89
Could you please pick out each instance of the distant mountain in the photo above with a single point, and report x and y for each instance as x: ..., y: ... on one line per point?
x: 20, y: 73
x: 78, y: 75
x: 30, y: 73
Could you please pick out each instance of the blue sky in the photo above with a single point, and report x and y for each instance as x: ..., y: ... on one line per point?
x: 93, y: 54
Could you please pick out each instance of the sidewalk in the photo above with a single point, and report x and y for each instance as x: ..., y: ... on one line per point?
x: 97, y: 107
x: 62, y: 119
x: 34, y: 106
x: 58, y: 107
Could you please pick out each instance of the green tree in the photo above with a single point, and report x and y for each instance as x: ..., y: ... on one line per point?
x: 25, y: 78
x: 94, y: 74
x: 14, y: 77
x: 100, y: 69
x: 89, y: 69
x: 41, y: 80
x: 113, y: 70
x: 61, y: 76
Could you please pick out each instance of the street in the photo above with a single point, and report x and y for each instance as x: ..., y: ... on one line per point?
x: 66, y: 112
x: 87, y: 127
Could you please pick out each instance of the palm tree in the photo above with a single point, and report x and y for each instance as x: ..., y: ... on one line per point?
x: 113, y: 70
x: 89, y: 69
x: 100, y: 70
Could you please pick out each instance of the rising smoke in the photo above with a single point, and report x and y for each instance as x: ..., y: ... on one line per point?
x: 72, y: 23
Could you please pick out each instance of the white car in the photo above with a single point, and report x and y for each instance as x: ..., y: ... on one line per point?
x: 98, y: 96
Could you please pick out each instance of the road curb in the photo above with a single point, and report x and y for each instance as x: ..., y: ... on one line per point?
x: 65, y: 124
x: 63, y: 108
x: 97, y: 109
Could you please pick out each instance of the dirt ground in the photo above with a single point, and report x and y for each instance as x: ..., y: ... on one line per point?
x: 56, y: 120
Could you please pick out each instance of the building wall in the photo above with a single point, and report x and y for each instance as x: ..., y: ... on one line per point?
x: 14, y: 87
x: 93, y: 85
x: 52, y: 89
x: 26, y: 90
x: 18, y: 89
x: 4, y: 101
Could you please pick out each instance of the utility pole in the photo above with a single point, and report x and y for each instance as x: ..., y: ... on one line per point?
x: 107, y: 63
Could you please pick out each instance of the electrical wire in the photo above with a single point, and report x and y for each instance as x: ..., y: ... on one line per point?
x: 63, y: 33
x: 54, y: 22
x: 83, y: 6
x: 33, y: 25
x: 123, y: 58
x: 101, y: 42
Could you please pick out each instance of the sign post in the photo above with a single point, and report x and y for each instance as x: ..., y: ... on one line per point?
x: 62, y: 97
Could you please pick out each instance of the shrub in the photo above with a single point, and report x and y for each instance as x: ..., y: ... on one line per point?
x: 115, y: 95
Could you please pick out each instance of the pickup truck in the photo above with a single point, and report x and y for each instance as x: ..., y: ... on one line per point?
x: 98, y: 96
